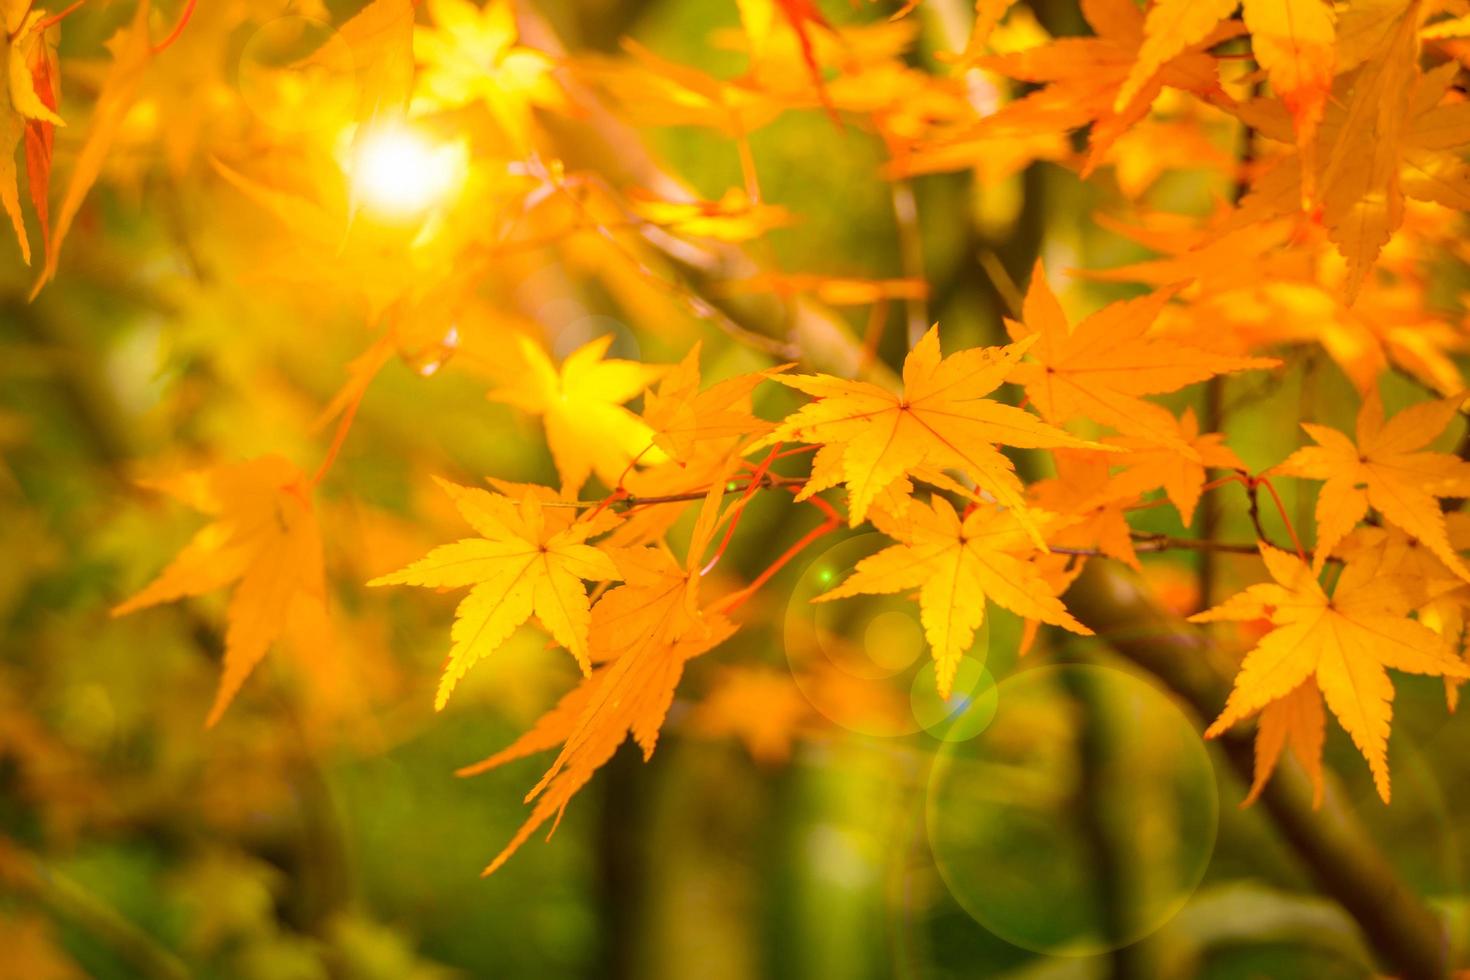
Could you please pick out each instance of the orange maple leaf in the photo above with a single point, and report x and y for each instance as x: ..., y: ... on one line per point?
x: 1344, y: 641
x: 1384, y: 470
x: 1101, y: 368
x: 265, y: 536
x: 1082, y: 79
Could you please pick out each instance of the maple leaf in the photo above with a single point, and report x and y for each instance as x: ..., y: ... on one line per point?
x: 1344, y: 641
x: 1296, y: 721
x: 1292, y: 40
x: 530, y: 558
x: 266, y: 538
x: 957, y: 564
x: 1100, y: 368
x: 643, y: 632
x: 471, y: 56
x: 1384, y: 470
x: 875, y: 438
x: 587, y: 427
x: 654, y: 91
x: 758, y: 17
x: 132, y: 51
x: 1083, y: 77
x: 1388, y: 133
x: 1095, y: 502
x: 1182, y: 475
x: 1253, y: 292
x: 681, y: 416
x: 763, y: 707
x: 30, y: 105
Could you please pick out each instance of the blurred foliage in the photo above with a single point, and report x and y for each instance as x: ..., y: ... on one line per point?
x: 319, y: 830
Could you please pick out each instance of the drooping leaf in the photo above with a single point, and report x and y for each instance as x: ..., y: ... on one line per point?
x: 1345, y: 641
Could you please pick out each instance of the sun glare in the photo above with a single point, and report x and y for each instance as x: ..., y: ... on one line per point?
x: 399, y: 174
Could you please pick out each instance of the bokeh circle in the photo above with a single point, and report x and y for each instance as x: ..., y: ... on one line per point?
x: 1082, y: 818
x: 863, y: 662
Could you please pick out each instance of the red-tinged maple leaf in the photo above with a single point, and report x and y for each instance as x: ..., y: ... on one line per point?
x: 531, y: 558
x: 1385, y: 469
x: 28, y: 112
x: 40, y: 134
x: 876, y: 439
x: 132, y: 52
x: 957, y: 564
x: 265, y: 538
x: 1100, y: 368
x: 801, y: 16
x: 1344, y: 641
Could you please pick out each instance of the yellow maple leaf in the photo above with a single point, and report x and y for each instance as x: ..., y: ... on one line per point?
x: 876, y: 439
x: 265, y: 537
x: 470, y: 55
x: 530, y: 558
x: 957, y: 564
x: 1344, y: 641
x: 1100, y: 368
x: 643, y: 632
x: 581, y: 404
x: 1386, y: 470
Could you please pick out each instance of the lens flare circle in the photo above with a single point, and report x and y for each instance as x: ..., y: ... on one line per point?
x: 1084, y: 816
x: 862, y: 661
x: 967, y: 712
